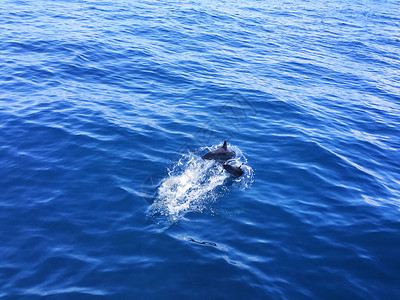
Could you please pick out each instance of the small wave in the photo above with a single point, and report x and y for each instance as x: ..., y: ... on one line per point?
x: 193, y: 184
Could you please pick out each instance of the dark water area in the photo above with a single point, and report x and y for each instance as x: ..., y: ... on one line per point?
x: 107, y: 106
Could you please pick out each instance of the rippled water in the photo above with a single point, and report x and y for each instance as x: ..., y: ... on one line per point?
x: 107, y: 106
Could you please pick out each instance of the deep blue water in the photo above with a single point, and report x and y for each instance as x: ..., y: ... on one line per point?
x: 107, y: 106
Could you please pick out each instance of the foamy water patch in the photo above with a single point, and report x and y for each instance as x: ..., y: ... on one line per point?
x: 190, y: 185
x: 193, y: 184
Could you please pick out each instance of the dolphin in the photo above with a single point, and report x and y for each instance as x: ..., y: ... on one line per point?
x: 234, y: 171
x: 220, y: 154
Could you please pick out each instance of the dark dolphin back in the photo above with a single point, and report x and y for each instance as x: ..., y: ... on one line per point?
x: 220, y: 154
x: 234, y: 171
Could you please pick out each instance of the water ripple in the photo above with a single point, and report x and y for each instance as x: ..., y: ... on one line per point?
x: 106, y: 108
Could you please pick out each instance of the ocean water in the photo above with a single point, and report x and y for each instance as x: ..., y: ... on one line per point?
x: 107, y: 106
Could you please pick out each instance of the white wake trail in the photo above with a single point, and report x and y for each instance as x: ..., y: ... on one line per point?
x: 192, y: 184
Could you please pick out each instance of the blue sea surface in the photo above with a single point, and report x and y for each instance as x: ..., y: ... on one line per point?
x: 107, y: 106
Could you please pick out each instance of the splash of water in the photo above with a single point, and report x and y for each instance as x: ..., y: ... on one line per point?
x: 192, y: 184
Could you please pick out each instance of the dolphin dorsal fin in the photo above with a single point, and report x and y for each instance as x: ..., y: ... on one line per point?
x: 224, y: 145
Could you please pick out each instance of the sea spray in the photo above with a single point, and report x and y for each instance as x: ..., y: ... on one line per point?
x: 192, y: 184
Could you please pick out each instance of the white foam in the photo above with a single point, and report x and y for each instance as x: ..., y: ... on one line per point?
x: 192, y: 184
